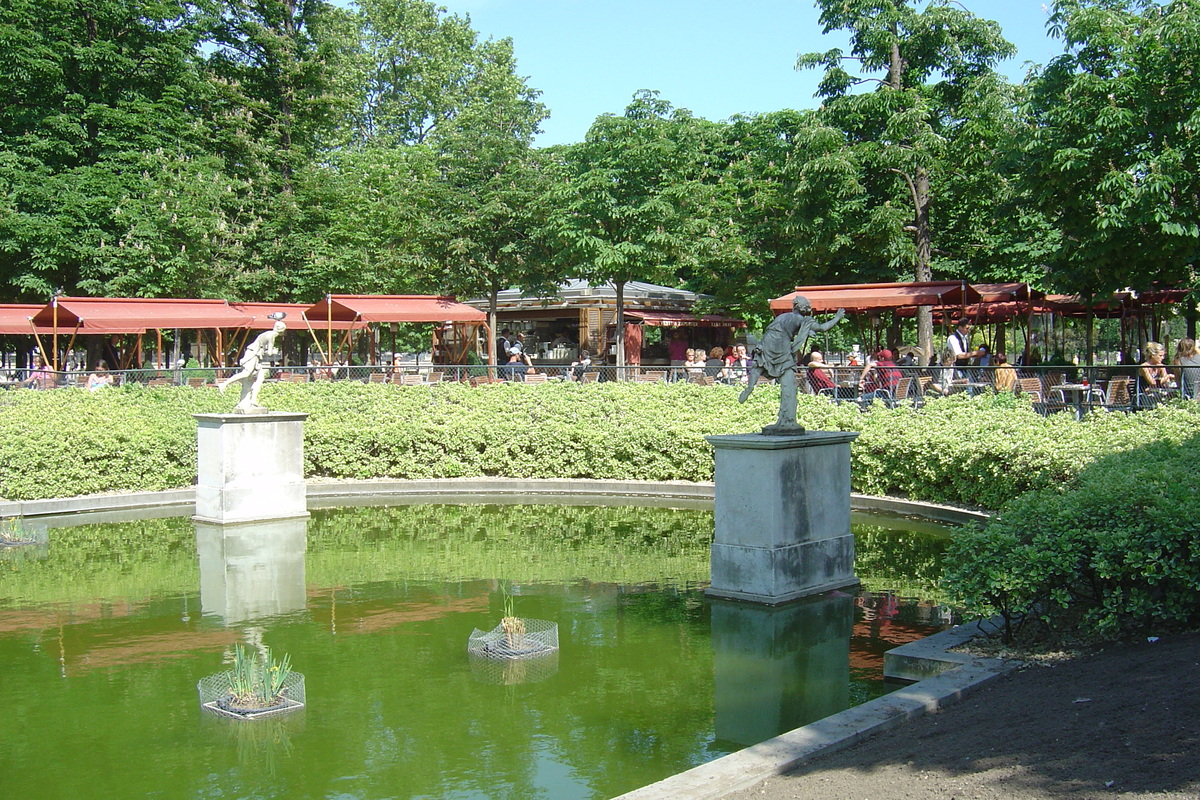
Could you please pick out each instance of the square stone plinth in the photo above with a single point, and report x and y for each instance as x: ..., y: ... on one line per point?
x: 250, y: 467
x: 782, y: 516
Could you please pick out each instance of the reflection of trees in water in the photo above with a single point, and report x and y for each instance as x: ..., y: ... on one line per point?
x: 524, y: 544
x: 140, y: 559
x: 904, y: 563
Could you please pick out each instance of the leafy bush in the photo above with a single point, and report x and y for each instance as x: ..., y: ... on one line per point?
x: 1114, y: 551
x: 973, y: 451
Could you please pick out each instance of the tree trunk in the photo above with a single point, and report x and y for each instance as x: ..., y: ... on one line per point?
x: 492, y: 302
x: 922, y: 271
x: 620, y: 286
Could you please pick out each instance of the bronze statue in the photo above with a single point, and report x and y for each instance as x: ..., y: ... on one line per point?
x: 775, y: 357
x: 255, y: 364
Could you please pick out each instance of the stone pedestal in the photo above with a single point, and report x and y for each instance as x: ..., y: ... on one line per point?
x: 782, y: 513
x: 250, y: 467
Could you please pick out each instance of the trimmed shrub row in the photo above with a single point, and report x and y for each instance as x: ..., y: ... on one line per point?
x: 973, y: 451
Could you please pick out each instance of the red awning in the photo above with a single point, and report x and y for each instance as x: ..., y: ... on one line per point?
x: 879, y: 296
x: 1006, y: 292
x: 137, y: 314
x: 14, y: 319
x: 260, y: 319
x: 1073, y: 305
x: 980, y: 313
x: 392, y: 308
x: 682, y: 319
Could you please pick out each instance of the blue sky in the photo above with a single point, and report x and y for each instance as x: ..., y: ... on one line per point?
x: 715, y: 57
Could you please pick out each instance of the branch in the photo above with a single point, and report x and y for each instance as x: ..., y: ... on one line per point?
x: 911, y: 186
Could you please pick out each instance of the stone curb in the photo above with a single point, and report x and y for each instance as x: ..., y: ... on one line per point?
x: 322, y: 492
x: 960, y: 675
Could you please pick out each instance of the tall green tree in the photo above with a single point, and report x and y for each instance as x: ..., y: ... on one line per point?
x: 87, y: 90
x: 923, y: 63
x: 1113, y: 158
x: 635, y: 206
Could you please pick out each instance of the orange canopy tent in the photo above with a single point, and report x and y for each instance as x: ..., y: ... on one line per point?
x: 856, y: 297
x: 15, y: 319
x: 357, y: 310
x: 261, y: 319
x: 137, y: 314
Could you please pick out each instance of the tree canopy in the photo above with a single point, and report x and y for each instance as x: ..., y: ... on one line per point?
x: 282, y: 149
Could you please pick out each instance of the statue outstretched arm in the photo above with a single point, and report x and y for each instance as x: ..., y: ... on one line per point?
x: 829, y: 323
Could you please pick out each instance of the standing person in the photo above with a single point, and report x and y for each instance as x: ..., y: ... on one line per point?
x: 502, y: 345
x: 958, y: 345
x: 775, y: 357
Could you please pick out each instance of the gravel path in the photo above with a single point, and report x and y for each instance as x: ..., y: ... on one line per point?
x: 1121, y: 723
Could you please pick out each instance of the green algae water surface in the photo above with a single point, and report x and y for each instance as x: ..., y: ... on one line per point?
x: 105, y: 632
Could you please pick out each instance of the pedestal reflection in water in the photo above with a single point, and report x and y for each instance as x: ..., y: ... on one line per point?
x: 779, y: 667
x: 253, y: 570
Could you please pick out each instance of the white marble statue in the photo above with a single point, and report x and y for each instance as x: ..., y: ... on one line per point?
x: 256, y: 363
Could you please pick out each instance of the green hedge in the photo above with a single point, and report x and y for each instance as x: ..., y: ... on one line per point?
x: 1113, y: 552
x: 972, y: 451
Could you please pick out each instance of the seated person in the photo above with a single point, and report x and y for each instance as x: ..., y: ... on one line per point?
x: 1004, y: 376
x: 1153, y: 375
x: 1188, y: 361
x: 695, y: 363
x: 738, y: 364
x: 715, y: 365
x: 943, y: 376
x: 41, y: 378
x: 879, y: 378
x: 99, y: 379
x: 818, y: 375
x: 579, y: 367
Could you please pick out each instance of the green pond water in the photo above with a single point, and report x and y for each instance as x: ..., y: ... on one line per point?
x: 105, y: 632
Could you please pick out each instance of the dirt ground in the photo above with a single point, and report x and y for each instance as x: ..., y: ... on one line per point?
x: 1121, y: 723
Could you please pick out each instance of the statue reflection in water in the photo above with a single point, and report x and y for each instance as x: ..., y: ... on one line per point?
x: 253, y: 570
x: 780, y: 667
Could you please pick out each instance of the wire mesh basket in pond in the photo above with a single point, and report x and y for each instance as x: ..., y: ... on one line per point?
x: 215, y: 696
x: 515, y: 638
x: 517, y: 650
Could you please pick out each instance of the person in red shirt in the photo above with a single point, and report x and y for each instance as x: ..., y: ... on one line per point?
x: 879, y: 378
x: 818, y: 375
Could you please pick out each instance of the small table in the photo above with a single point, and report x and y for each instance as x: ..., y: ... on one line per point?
x: 970, y: 387
x: 1081, y: 391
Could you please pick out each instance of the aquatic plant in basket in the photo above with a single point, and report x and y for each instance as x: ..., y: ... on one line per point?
x: 515, y: 637
x: 257, y: 685
x: 13, y: 532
